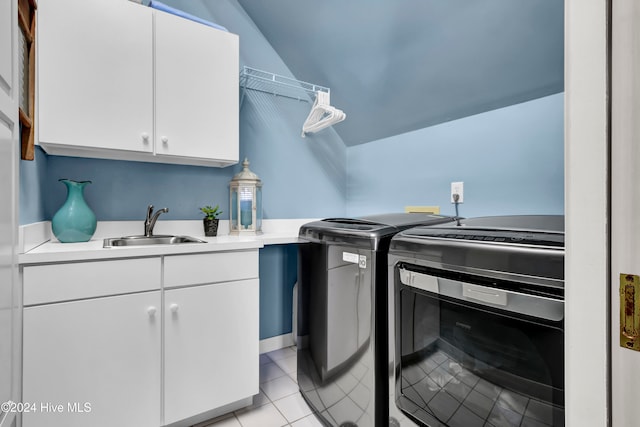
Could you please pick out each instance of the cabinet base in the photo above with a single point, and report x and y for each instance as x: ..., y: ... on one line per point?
x: 209, y: 415
x: 57, y: 149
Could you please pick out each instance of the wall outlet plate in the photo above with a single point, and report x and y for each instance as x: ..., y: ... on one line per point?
x: 457, y: 188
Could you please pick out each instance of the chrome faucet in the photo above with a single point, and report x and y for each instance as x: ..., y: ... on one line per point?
x: 150, y: 221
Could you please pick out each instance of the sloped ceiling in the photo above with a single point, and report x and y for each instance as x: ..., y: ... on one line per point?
x: 394, y: 66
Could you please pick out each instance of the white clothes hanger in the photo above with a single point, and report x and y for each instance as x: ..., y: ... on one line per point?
x: 322, y: 114
x: 330, y: 116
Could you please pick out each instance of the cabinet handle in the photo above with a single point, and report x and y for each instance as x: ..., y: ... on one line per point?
x: 164, y: 139
x: 151, y: 311
x: 145, y: 137
x: 174, y: 308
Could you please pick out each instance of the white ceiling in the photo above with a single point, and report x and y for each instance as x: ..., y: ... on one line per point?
x: 395, y: 66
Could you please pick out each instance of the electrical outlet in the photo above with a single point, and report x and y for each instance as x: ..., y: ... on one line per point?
x: 457, y: 188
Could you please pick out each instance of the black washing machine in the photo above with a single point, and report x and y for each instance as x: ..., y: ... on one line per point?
x: 342, y: 342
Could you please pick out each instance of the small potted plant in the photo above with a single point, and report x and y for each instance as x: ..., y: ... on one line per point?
x: 210, y: 220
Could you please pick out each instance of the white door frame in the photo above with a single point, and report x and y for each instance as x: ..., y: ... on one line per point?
x: 625, y: 199
x: 587, y: 388
x: 10, y: 290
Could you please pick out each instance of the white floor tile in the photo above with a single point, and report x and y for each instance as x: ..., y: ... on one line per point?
x: 282, y: 353
x: 270, y: 371
x: 263, y: 416
x: 288, y: 364
x: 264, y: 359
x: 309, y: 421
x: 293, y: 407
x: 279, y: 388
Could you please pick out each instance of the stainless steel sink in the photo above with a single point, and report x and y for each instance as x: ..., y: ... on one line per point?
x: 146, y: 241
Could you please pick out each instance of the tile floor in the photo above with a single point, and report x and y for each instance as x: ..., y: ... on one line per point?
x: 279, y: 402
x: 473, y: 401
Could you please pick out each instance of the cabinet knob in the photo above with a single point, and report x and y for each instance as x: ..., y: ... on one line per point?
x: 174, y: 308
x: 164, y: 139
x: 145, y: 137
x: 151, y: 311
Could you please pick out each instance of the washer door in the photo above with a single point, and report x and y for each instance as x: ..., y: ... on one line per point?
x: 468, y: 357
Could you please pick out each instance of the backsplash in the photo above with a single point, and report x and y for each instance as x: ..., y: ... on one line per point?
x: 121, y: 190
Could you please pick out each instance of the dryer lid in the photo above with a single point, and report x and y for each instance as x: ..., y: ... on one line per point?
x: 535, y: 230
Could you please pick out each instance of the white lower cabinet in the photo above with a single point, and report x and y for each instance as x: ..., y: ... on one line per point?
x: 210, y: 347
x: 93, y: 362
x: 211, y: 341
x: 176, y: 344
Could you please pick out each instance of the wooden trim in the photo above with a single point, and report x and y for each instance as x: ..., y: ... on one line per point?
x: 25, y: 27
x: 25, y: 120
x: 27, y: 22
x: 26, y: 16
x: 26, y: 136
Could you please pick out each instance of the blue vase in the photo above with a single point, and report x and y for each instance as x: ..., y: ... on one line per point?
x: 74, y: 221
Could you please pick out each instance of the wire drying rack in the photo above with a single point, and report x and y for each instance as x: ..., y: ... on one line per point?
x: 274, y: 84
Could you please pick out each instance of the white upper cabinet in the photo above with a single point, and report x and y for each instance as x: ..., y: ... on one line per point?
x: 196, y: 89
x: 95, y: 75
x: 119, y: 80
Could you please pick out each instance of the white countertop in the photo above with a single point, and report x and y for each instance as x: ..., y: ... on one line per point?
x: 40, y: 247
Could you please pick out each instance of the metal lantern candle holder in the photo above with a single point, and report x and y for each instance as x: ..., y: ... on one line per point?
x: 245, y: 201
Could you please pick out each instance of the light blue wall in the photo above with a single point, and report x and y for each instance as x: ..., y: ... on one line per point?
x: 511, y: 161
x: 121, y: 190
x: 33, y: 183
x: 278, y: 275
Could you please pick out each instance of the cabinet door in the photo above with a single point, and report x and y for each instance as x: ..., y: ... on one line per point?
x: 196, y: 73
x: 102, y: 352
x: 95, y: 82
x: 210, y: 348
x: 7, y: 46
